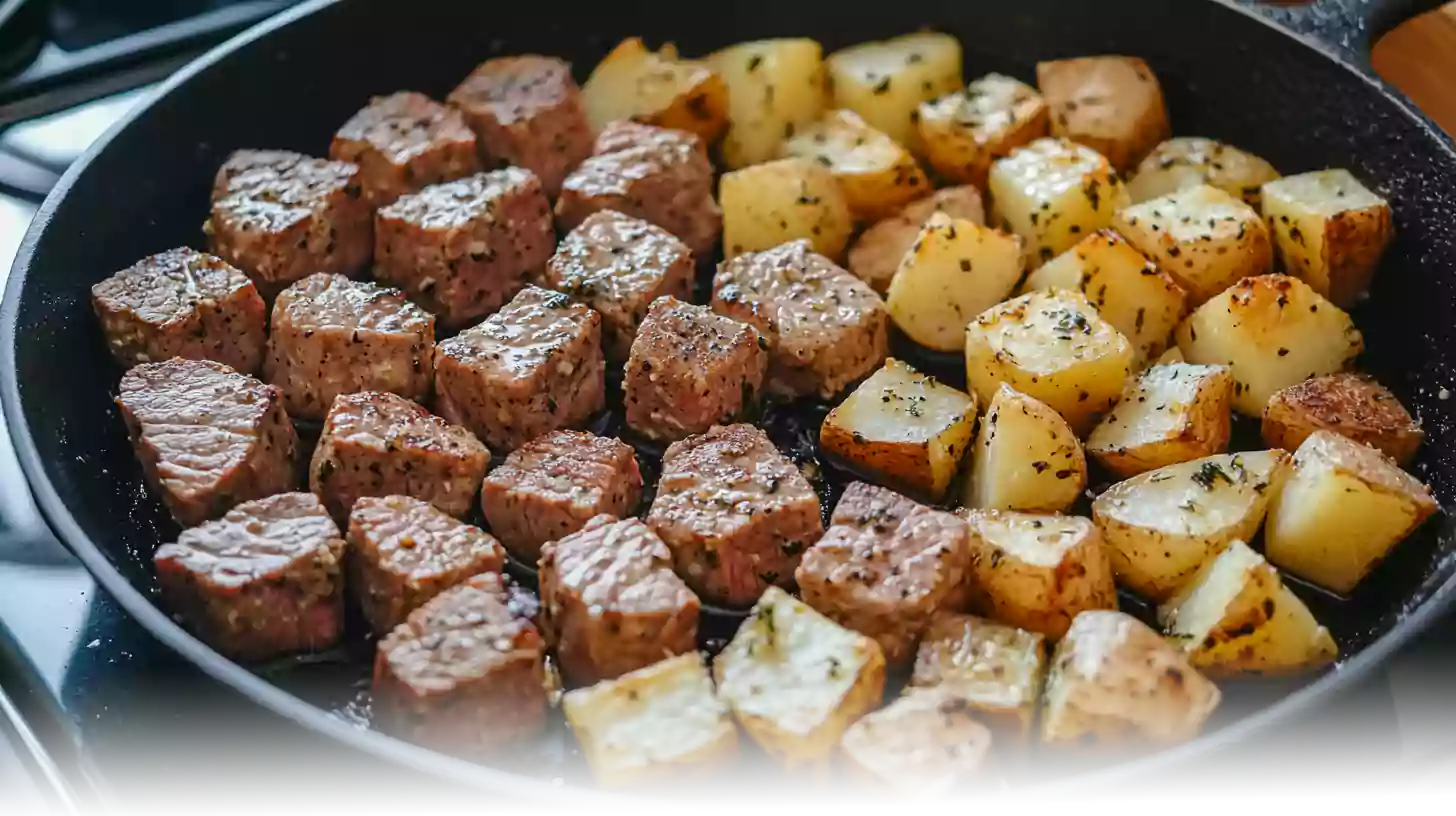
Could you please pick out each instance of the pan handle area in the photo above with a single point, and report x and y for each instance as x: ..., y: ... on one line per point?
x: 1349, y: 28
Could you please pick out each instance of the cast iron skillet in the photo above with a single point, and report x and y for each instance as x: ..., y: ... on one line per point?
x: 1301, y: 102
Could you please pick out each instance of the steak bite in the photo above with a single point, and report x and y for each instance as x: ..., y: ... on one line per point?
x: 208, y: 437
x: 690, y: 369
x: 526, y: 111
x: 403, y: 552
x: 464, y: 248
x: 332, y: 335
x: 533, y: 367
x: 282, y: 216
x: 618, y: 265
x: 465, y: 673
x: 403, y: 143
x: 553, y: 485
x: 736, y: 514
x: 610, y: 603
x: 657, y: 174
x: 262, y: 581
x: 379, y: 444
x: 825, y: 328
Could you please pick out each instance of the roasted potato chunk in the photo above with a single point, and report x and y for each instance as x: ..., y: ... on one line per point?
x: 963, y: 132
x: 1330, y: 230
x: 1205, y: 238
x: 1163, y: 525
x: 1171, y: 413
x: 876, y: 254
x: 1236, y: 617
x: 904, y: 427
x: 633, y: 82
x: 1272, y: 331
x: 878, y: 175
x: 886, y: 81
x: 954, y: 271
x: 797, y: 680
x: 1113, y: 679
x: 781, y: 201
x: 1352, y: 405
x: 923, y: 743
x: 774, y: 88
x: 1051, y: 193
x: 1026, y: 457
x: 996, y: 669
x: 1342, y: 509
x: 1188, y: 161
x: 1112, y: 104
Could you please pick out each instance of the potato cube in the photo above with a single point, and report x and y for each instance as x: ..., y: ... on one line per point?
x: 1272, y: 331
x: 1330, y: 231
x: 996, y: 669
x: 1236, y: 616
x: 877, y: 174
x: 886, y: 81
x: 1052, y: 346
x: 876, y: 254
x: 1341, y: 511
x: 903, y: 426
x: 796, y: 680
x: 923, y: 744
x: 1112, y: 104
x: 1113, y: 678
x: 1163, y: 525
x: 635, y: 83
x: 1171, y: 413
x: 781, y: 201
x: 1026, y: 458
x: 1171, y: 356
x: 963, y: 132
x: 774, y: 88
x: 1352, y: 405
x: 1205, y: 238
x: 954, y: 271
x: 1051, y: 193
x: 1189, y: 161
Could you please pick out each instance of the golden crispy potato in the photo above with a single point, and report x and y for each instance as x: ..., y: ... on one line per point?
x: 1171, y: 413
x: 774, y: 87
x: 781, y: 201
x: 634, y: 83
x: 1188, y: 161
x: 1205, y: 238
x: 924, y: 743
x: 963, y: 132
x: 1112, y: 104
x: 996, y: 669
x: 1026, y: 458
x: 1171, y: 356
x: 876, y: 254
x: 954, y: 271
x: 1053, y: 192
x: 886, y: 81
x: 1352, y: 405
x: 1331, y: 231
x: 878, y: 175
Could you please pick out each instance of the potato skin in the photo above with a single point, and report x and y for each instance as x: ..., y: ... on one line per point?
x: 1352, y: 405
x: 634, y: 83
x: 1189, y: 161
x: 1330, y: 231
x: 1112, y: 104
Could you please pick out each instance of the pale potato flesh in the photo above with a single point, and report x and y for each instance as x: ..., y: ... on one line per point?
x: 922, y: 744
x: 877, y: 174
x: 635, y: 83
x: 1205, y: 238
x: 1053, y: 192
x: 1188, y: 161
x: 996, y: 669
x: 876, y: 254
x: 963, y: 132
x: 954, y: 270
x: 886, y: 81
x: 774, y: 88
x: 1172, y: 413
x: 1026, y: 457
x: 781, y: 201
x: 1330, y: 230
x: 1112, y: 104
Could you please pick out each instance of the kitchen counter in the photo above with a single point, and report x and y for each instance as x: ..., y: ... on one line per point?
x: 1420, y: 59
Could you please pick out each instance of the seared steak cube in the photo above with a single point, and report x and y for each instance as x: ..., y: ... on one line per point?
x: 656, y: 174
x: 610, y: 602
x: 281, y: 216
x: 533, y: 367
x: 736, y: 514
x: 464, y: 248
x: 262, y: 581
x: 403, y: 552
x: 465, y: 673
x: 182, y: 303
x: 526, y: 111
x: 553, y: 485
x: 379, y: 444
x: 405, y: 142
x: 825, y: 328
x: 208, y: 437
x: 332, y: 335
x: 618, y: 265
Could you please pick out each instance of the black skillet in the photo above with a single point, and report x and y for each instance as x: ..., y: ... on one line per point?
x: 1302, y: 101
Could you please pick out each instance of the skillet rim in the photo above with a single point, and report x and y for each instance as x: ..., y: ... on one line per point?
x: 62, y: 524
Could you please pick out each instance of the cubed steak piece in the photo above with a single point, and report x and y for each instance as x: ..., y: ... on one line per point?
x: 375, y: 443
x: 618, y: 265
x: 825, y: 328
x: 265, y: 580
x: 405, y: 142
x: 403, y: 552
x: 465, y: 673
x: 610, y: 602
x: 656, y: 174
x: 526, y: 111
x: 332, y: 335
x: 464, y: 248
x: 691, y: 369
x: 736, y: 514
x: 553, y: 485
x: 208, y: 437
x: 282, y: 216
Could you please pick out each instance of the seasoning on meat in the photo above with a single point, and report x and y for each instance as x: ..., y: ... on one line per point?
x: 736, y: 514
x: 618, y: 265
x: 208, y: 437
x: 265, y: 580
x: 403, y: 552
x: 533, y: 367
x: 691, y: 369
x: 464, y: 248
x: 182, y: 303
x: 464, y: 674
x: 404, y: 142
x: 332, y: 335
x: 379, y: 444
x: 610, y: 603
x: 553, y: 485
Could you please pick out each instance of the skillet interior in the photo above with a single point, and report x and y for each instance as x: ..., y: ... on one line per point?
x: 146, y: 190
